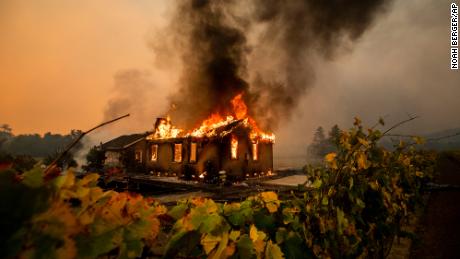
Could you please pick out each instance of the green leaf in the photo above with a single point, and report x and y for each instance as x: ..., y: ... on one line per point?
x: 33, y: 178
x: 360, y: 203
x: 239, y: 215
x: 182, y: 242
x: 317, y: 183
x: 294, y: 247
x: 90, y: 246
x: 131, y: 249
x: 325, y: 201
x: 273, y: 251
x: 211, y: 223
x: 264, y: 220
x: 340, y: 221
x: 281, y: 235
x: 350, y: 183
x: 245, y: 247
x: 178, y: 211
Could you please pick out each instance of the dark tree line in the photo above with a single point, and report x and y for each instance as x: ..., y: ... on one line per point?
x: 33, y: 144
x: 22, y: 150
x: 321, y: 144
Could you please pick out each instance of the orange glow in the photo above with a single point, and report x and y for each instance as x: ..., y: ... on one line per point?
x: 240, y: 112
x: 255, y: 152
x: 239, y: 107
x: 193, y: 152
x: 178, y: 153
x: 154, y: 156
x: 165, y: 130
x: 234, y: 147
x: 209, y: 127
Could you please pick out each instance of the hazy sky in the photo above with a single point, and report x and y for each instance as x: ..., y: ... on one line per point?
x: 61, y: 62
x: 58, y: 58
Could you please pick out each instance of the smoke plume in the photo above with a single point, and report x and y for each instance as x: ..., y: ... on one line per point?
x: 263, y: 49
x: 133, y: 92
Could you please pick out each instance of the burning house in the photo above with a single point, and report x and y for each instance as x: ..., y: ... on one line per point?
x: 233, y: 144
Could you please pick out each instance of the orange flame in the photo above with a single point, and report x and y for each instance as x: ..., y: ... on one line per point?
x: 216, y: 120
x: 239, y: 107
x: 234, y: 147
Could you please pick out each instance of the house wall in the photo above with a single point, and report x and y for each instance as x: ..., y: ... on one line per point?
x: 142, y: 147
x: 165, y: 157
x: 215, y: 151
x: 244, y: 164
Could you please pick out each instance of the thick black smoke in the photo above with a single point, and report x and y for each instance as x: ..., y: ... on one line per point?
x: 213, y: 37
x: 214, y: 60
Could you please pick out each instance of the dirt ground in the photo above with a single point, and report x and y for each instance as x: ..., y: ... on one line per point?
x: 439, y: 227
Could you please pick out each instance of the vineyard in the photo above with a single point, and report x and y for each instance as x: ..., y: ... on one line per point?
x: 351, y: 207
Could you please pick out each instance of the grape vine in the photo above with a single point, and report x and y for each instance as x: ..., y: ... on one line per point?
x: 351, y: 207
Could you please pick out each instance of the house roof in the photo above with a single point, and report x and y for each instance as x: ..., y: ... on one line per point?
x: 124, y: 141
x: 212, y: 132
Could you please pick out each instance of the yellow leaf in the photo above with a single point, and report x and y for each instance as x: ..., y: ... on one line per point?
x: 211, y: 206
x: 87, y: 217
x: 374, y: 185
x: 69, y: 180
x: 220, y: 252
x: 269, y: 196
x: 363, y: 142
x: 257, y: 238
x: 419, y: 174
x: 362, y: 161
x: 271, y: 201
x: 234, y: 234
x: 357, y: 121
x: 272, y: 207
x: 230, y: 207
x: 253, y: 233
x: 259, y: 246
x: 273, y: 251
x: 209, y: 242
x: 330, y: 157
x: 59, y: 218
x: 90, y: 178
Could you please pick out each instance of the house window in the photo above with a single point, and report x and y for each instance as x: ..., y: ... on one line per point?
x: 111, y: 158
x: 177, y: 152
x: 234, y: 148
x: 138, y: 156
x: 193, y: 152
x: 154, y: 156
x: 255, y: 152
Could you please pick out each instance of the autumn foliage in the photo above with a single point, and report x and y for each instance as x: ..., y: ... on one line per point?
x: 351, y: 207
